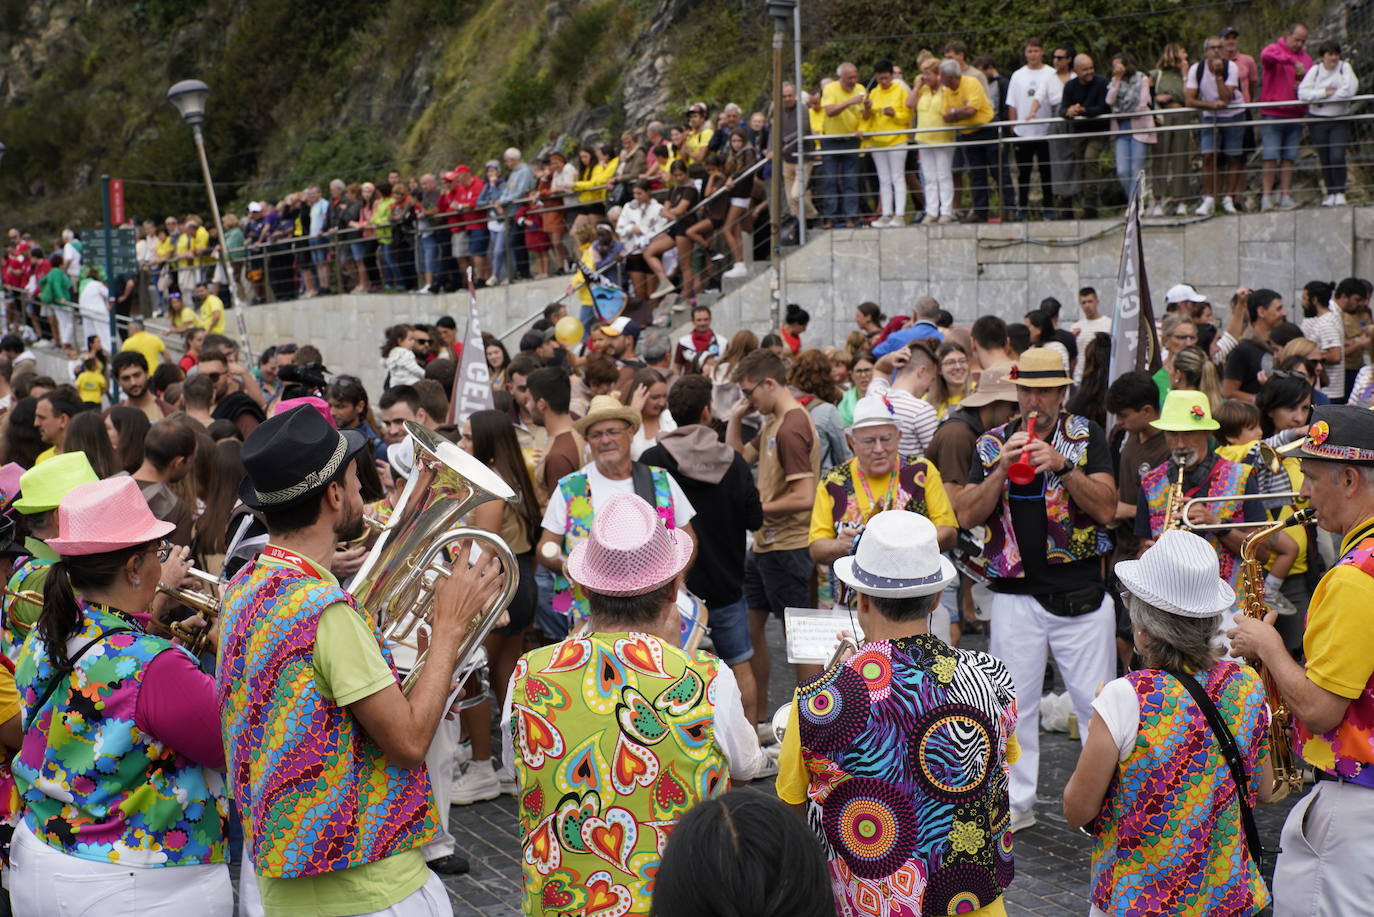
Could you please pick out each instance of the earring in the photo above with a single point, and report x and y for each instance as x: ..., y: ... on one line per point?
x: 138, y: 581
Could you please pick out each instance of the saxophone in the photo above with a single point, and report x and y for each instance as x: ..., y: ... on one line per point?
x: 1173, y: 504
x: 1288, y: 772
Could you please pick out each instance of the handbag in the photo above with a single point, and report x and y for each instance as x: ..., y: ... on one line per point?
x: 1231, y: 752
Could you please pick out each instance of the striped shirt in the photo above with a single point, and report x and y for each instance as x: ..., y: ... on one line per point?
x: 916, y: 418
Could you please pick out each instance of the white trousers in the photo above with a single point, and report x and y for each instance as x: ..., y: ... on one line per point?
x: 891, y: 166
x: 937, y: 178
x: 66, y: 325
x: 97, y: 323
x: 1023, y: 633
x: 1326, y: 848
x: 45, y: 882
x: 429, y: 900
x: 440, y: 762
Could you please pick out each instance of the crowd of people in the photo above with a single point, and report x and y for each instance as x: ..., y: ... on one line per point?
x: 666, y: 207
x: 673, y: 502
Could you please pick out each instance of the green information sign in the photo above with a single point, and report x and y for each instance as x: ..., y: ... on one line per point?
x: 124, y: 257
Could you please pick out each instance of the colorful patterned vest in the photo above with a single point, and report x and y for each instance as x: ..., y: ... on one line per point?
x: 315, y: 793
x: 906, y: 747
x: 20, y: 614
x: 1169, y: 836
x: 614, y: 738
x: 1226, y: 479
x: 1072, y: 533
x: 1348, y: 749
x: 568, y: 597
x: 11, y: 806
x: 133, y: 800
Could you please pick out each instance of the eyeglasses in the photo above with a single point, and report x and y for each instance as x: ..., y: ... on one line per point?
x: 162, y: 551
x: 423, y: 342
x: 749, y: 392
x: 954, y: 364
x: 213, y: 377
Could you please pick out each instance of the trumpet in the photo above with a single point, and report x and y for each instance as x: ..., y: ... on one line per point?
x: 847, y: 648
x: 1273, y: 456
x: 1288, y: 495
x: 398, y: 579
x: 206, y: 604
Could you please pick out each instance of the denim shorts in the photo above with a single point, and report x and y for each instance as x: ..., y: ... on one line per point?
x: 429, y: 252
x: 729, y: 626
x: 1279, y: 138
x: 478, y: 241
x: 319, y: 250
x: 775, y: 580
x: 1224, y: 137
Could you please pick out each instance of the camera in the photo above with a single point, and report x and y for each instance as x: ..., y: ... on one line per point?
x: 307, y: 379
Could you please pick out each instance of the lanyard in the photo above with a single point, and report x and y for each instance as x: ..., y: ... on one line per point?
x: 891, y: 489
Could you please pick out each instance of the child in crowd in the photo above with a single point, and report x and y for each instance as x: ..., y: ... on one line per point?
x: 1240, y: 431
x: 90, y: 382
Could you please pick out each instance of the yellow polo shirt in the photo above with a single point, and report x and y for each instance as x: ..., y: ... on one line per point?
x: 970, y: 93
x: 694, y: 147
x: 212, y: 315
x: 893, y: 96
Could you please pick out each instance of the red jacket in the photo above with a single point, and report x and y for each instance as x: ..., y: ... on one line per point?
x: 464, y: 198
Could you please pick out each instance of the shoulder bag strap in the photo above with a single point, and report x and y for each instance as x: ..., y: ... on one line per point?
x: 67, y: 671
x: 643, y: 482
x: 1231, y: 752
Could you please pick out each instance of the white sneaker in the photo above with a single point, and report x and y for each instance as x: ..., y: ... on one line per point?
x: 1286, y: 202
x: 1338, y: 200
x: 1266, y: 203
x: 930, y: 219
x: 1279, y: 602
x: 1228, y: 205
x: 1181, y: 210
x: 879, y: 223
x: 946, y: 218
x: 508, y: 785
x: 1020, y: 821
x: 423, y: 289
x: 464, y: 753
x: 765, y: 734
x: 1157, y: 210
x: 1205, y: 208
x: 739, y: 270
x: 476, y: 783
x: 768, y: 768
x: 1329, y: 200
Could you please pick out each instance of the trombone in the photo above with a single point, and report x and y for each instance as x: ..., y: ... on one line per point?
x: 1282, y: 496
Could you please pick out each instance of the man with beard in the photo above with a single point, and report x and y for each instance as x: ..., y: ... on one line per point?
x: 303, y: 677
x: 131, y: 372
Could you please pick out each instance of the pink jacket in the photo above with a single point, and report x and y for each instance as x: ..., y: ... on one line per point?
x: 1279, y: 79
x: 1140, y: 123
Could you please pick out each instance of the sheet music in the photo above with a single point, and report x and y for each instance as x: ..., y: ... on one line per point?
x: 813, y: 633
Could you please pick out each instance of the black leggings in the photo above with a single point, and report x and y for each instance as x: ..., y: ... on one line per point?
x: 1331, y: 136
x: 1026, y: 151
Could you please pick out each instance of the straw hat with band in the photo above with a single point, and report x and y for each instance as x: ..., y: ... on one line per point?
x: 42, y: 487
x: 1186, y: 412
x: 993, y: 385
x: 293, y: 455
x: 1040, y: 367
x: 606, y: 407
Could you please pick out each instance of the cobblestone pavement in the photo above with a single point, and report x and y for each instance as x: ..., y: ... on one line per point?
x: 1051, y: 859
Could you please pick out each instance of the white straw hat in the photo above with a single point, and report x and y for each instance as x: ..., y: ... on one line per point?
x: 896, y: 557
x: 873, y: 411
x: 1179, y: 574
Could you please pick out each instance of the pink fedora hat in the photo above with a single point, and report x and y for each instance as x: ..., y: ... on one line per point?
x: 630, y: 551
x: 105, y: 516
x: 314, y: 401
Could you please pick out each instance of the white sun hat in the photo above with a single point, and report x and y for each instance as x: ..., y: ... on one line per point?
x: 1179, y: 574
x: 873, y: 411
x: 896, y: 557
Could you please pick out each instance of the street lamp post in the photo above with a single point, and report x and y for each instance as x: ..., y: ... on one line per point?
x: 781, y: 12
x: 189, y: 98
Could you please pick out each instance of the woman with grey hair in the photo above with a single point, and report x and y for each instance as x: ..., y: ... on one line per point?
x: 1152, y: 783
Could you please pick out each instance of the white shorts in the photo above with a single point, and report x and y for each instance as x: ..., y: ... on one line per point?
x: 459, y: 242
x: 740, y: 202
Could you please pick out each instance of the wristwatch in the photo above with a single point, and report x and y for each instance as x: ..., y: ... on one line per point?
x: 1069, y: 468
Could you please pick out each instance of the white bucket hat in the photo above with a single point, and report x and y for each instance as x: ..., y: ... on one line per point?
x: 896, y: 557
x: 1179, y: 574
x: 873, y: 411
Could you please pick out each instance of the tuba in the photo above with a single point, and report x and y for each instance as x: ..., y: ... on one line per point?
x: 397, y: 579
x: 1288, y: 772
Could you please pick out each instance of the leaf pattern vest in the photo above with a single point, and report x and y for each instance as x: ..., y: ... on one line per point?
x: 906, y: 747
x: 94, y: 785
x: 614, y: 738
x: 1169, y: 837
x: 568, y: 597
x: 1072, y: 533
x: 314, y: 792
x: 1226, y: 479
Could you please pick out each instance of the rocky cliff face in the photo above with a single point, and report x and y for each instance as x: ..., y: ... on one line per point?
x: 307, y: 90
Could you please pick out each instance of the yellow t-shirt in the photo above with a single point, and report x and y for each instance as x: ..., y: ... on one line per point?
x: 203, y: 242
x: 971, y: 94
x: 600, y: 174
x: 45, y: 455
x: 815, y: 122
x: 185, y: 318
x: 893, y: 96
x: 9, y: 697
x: 694, y: 147
x: 147, y: 344
x: 847, y: 121
x: 165, y: 249
x: 793, y: 781
x: 930, y: 113
x: 823, y: 510
x: 90, y: 385
x: 212, y: 315
x: 1240, y: 452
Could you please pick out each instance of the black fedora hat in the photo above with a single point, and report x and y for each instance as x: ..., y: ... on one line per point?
x: 1340, y: 433
x: 293, y: 455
